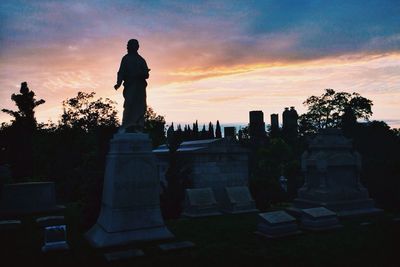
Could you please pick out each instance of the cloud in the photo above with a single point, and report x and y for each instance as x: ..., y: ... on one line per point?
x: 202, y: 53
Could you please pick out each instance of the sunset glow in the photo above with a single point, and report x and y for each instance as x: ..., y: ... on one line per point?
x: 208, y: 60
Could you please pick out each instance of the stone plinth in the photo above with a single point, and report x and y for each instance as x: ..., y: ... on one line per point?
x: 332, y: 177
x: 200, y: 202
x: 276, y: 224
x: 130, y: 210
x: 319, y: 219
x: 239, y: 200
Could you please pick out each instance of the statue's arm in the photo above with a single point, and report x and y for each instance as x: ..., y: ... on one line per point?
x: 145, y: 69
x: 121, y: 74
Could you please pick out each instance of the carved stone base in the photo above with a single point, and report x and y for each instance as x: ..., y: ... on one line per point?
x: 130, y: 209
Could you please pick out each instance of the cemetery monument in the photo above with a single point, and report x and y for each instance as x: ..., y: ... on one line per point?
x: 130, y: 209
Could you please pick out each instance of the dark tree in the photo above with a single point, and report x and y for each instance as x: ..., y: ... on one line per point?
x: 154, y: 125
x: 218, y: 133
x: 84, y: 113
x: 244, y: 134
x: 26, y: 104
x: 210, y: 131
x: 203, y: 133
x: 20, y: 136
x: 327, y: 110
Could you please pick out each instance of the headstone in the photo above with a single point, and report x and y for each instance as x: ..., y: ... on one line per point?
x: 276, y: 224
x: 332, y: 177
x: 28, y: 198
x: 274, y: 122
x: 130, y: 210
x: 50, y: 221
x: 10, y: 224
x: 200, y: 202
x: 176, y: 246
x: 257, y: 124
x: 55, y: 238
x: 123, y: 254
x: 319, y: 219
x: 230, y: 132
x: 239, y: 200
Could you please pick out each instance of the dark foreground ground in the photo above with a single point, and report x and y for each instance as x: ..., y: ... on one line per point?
x: 222, y: 241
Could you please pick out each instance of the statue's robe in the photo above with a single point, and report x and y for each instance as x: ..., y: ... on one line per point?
x: 133, y: 72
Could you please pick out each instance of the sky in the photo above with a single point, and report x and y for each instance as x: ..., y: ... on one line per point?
x: 209, y: 60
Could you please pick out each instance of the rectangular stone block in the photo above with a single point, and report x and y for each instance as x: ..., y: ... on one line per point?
x: 200, y: 202
x: 319, y: 219
x: 239, y: 200
x: 10, y: 224
x: 276, y: 224
x: 55, y: 238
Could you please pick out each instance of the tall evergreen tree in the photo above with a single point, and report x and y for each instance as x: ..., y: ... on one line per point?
x: 203, y: 133
x: 218, y: 133
x: 210, y: 131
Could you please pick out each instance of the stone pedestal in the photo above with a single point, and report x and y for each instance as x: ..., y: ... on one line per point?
x: 332, y: 177
x: 130, y: 210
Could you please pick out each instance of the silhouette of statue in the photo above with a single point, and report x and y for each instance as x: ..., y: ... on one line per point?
x: 133, y: 72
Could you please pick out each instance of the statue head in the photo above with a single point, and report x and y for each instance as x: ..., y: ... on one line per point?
x: 133, y: 45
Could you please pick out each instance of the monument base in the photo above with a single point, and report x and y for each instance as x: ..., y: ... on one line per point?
x: 98, y: 237
x: 130, y: 210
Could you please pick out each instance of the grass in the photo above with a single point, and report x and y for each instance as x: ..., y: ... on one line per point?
x: 227, y: 240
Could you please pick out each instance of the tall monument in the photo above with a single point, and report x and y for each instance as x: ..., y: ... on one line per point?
x: 332, y: 177
x: 130, y: 209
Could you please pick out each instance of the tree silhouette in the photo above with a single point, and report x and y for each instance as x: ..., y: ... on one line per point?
x: 210, y: 131
x: 154, y: 125
x: 26, y: 104
x: 327, y: 110
x: 218, y: 133
x: 85, y: 113
x: 20, y: 148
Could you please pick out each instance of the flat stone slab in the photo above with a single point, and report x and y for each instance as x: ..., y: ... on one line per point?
x: 201, y: 196
x: 50, y: 221
x: 319, y: 219
x: 276, y: 224
x: 176, y: 246
x: 10, y: 224
x: 239, y: 200
x: 55, y: 246
x: 318, y: 212
x: 123, y: 254
x: 276, y: 217
x: 200, y: 202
